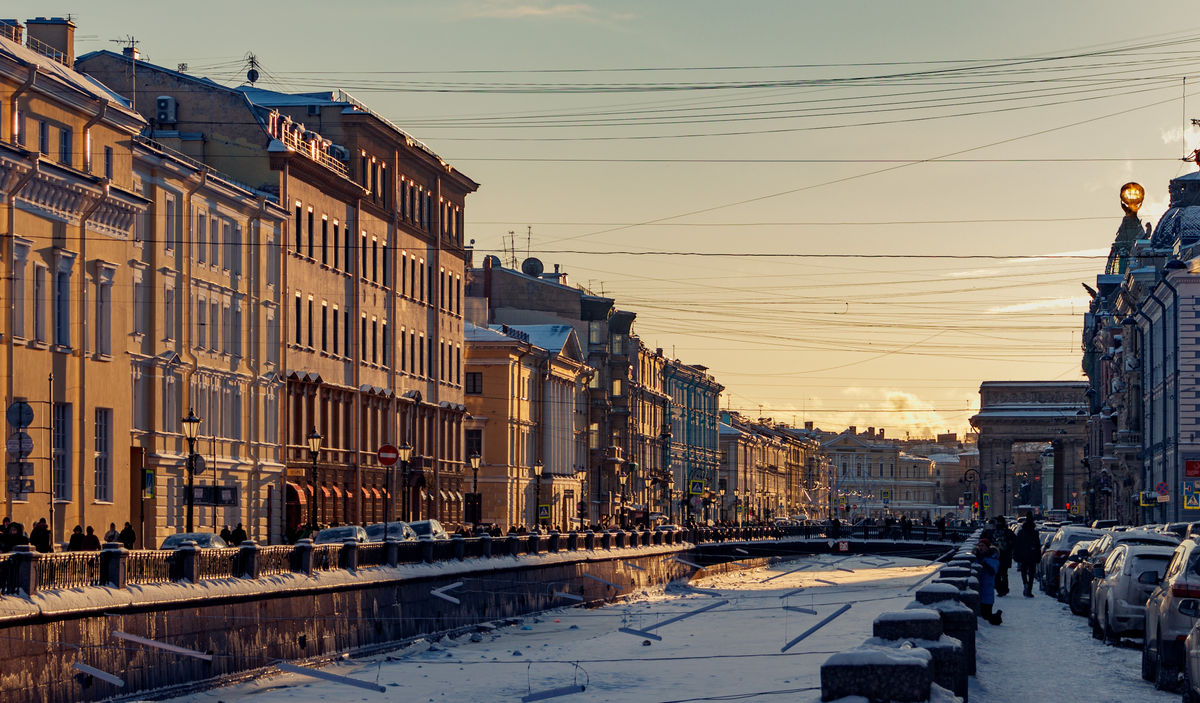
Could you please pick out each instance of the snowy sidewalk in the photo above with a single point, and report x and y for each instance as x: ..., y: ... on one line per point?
x: 1044, y: 653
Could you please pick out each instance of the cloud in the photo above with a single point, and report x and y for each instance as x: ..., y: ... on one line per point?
x: 1191, y: 137
x: 1079, y: 301
x: 539, y: 9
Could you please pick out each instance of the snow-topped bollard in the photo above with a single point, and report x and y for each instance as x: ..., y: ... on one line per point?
x: 959, y: 583
x: 908, y: 624
x: 954, y: 572
x: 572, y: 541
x: 606, y: 540
x: 589, y: 540
x: 555, y: 537
x: 302, y: 561
x: 427, y: 551
x: 24, y: 560
x: 485, y: 546
x: 878, y: 674
x: 112, y: 564
x: 348, y: 555
x: 958, y: 622
x: 621, y: 539
x: 656, y: 537
x: 391, y: 551
x: 936, y: 592
x: 247, y: 559
x: 514, y: 545
x: 460, y: 547
x: 183, y: 562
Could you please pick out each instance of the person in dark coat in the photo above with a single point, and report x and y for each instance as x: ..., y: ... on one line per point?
x: 75, y: 544
x: 39, y: 537
x: 91, y: 542
x: 226, y: 534
x: 127, y: 536
x: 238, y: 535
x: 1004, y: 549
x: 16, y: 535
x: 941, y: 527
x: 989, y: 559
x: 1027, y: 552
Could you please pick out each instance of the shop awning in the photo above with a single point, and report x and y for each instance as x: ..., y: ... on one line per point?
x: 337, y: 491
x: 376, y: 492
x: 300, y: 496
x: 325, y: 491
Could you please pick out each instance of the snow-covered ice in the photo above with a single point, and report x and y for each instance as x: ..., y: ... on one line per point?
x: 1040, y: 653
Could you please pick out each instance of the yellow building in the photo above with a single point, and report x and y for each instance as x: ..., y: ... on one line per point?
x: 69, y: 214
x: 526, y: 392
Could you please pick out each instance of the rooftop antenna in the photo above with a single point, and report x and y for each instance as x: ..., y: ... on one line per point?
x: 252, y: 68
x: 528, y: 239
x: 130, y: 49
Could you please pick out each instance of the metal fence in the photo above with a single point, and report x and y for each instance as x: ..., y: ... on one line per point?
x: 79, y: 569
x: 68, y: 570
x: 149, y: 566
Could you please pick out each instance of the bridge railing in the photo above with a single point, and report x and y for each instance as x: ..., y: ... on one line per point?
x: 28, y: 571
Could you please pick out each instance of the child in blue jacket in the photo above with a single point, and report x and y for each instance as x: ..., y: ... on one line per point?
x: 989, y: 558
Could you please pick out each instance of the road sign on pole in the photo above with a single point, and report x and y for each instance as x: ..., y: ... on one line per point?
x: 987, y: 500
x: 387, y: 454
x: 20, y: 414
x: 19, y: 443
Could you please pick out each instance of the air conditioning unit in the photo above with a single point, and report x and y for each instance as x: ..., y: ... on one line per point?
x: 165, y: 110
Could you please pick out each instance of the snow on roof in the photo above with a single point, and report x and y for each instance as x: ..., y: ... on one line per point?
x: 69, y: 76
x: 475, y: 333
x: 552, y: 338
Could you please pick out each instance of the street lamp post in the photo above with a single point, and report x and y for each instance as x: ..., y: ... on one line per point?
x: 191, y: 425
x: 537, y: 495
x: 623, y: 478
x: 969, y: 476
x: 1004, y: 464
x: 476, y: 499
x: 314, y: 450
x: 405, y: 452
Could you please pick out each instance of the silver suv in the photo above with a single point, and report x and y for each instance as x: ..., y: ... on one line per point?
x: 1171, y: 611
x: 1104, y: 547
x: 1119, y: 599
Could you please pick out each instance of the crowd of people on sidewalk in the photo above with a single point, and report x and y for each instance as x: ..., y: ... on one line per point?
x: 82, y: 539
x: 998, y: 547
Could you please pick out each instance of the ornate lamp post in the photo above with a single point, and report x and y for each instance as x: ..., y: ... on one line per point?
x: 314, y: 450
x: 969, y: 477
x: 476, y: 500
x: 405, y: 452
x: 191, y: 426
x: 538, y: 468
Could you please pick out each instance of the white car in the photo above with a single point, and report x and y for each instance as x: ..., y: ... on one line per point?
x: 1130, y: 574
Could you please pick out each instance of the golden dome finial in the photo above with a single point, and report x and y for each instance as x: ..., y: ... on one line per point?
x: 1132, y: 195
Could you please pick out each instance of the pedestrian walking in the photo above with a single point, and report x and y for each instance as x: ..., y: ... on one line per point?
x: 111, y: 535
x: 941, y: 527
x: 226, y: 534
x: 238, y: 535
x: 91, y: 542
x: 127, y: 536
x: 989, y: 559
x: 1005, y: 540
x: 1027, y: 552
x: 75, y: 544
x: 39, y: 537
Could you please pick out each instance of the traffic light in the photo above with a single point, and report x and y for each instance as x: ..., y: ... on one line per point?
x: 975, y: 505
x: 1068, y: 506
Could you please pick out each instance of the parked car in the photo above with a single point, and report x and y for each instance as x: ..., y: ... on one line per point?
x: 1103, y: 524
x: 668, y: 528
x: 1106, y: 545
x: 340, y: 534
x: 1172, y: 610
x: 204, y: 540
x: 397, y: 530
x: 1177, y: 528
x: 1068, y: 591
x: 429, y: 529
x: 1131, y: 572
x: 1056, y: 552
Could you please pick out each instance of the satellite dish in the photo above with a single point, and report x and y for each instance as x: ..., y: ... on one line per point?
x: 492, y: 261
x: 252, y: 75
x: 532, y: 267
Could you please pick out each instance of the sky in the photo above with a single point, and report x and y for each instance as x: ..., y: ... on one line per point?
x: 775, y: 188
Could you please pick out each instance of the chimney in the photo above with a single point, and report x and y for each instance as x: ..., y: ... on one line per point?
x: 808, y: 425
x: 11, y: 29
x: 871, y: 432
x: 131, y: 52
x: 881, y: 433
x: 853, y: 430
x: 57, y: 33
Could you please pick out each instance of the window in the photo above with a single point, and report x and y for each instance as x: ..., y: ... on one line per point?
x: 362, y: 338
x: 310, y: 322
x: 324, y: 326
x: 383, y: 354
x: 335, y: 330
x: 102, y: 463
x: 299, y: 226
x: 44, y: 137
x: 310, y: 233
x: 421, y: 365
x: 61, y: 447
x: 403, y: 346
x: 422, y: 298
x: 324, y: 239
x: 297, y: 319
x: 346, y: 332
x: 21, y: 250
x: 201, y: 243
x: 474, y: 384
x: 214, y: 325
x: 64, y: 146
x: 233, y: 246
x: 362, y: 239
x: 374, y: 340
x: 458, y: 363
x: 104, y: 283
x: 62, y: 299
x: 215, y: 241
x: 108, y: 162
x: 336, y: 243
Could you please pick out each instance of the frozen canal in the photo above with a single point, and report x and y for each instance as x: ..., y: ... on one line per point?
x: 732, y: 651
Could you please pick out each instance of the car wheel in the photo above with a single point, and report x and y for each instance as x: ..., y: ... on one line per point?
x: 1097, y: 633
x: 1075, y: 601
x: 1148, y: 669
x: 1189, y: 692
x: 1166, y: 678
x: 1110, y: 635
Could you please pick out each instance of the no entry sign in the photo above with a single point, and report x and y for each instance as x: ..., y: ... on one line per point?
x: 387, y: 455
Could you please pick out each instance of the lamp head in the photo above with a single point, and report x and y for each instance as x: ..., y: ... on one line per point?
x: 538, y: 468
x: 314, y: 441
x: 474, y: 459
x: 191, y: 424
x: 1132, y: 195
x: 405, y: 451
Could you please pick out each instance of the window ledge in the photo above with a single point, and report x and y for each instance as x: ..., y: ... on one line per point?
x: 62, y: 349
x: 38, y: 344
x: 101, y: 357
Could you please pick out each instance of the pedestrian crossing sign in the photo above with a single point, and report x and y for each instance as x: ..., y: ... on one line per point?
x: 886, y: 496
x: 696, y: 487
x: 1191, y: 498
x: 987, y: 500
x: 543, y: 512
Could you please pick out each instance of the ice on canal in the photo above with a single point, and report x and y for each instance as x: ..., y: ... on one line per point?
x: 1041, y: 652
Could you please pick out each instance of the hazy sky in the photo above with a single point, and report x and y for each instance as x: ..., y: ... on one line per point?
x: 779, y: 146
